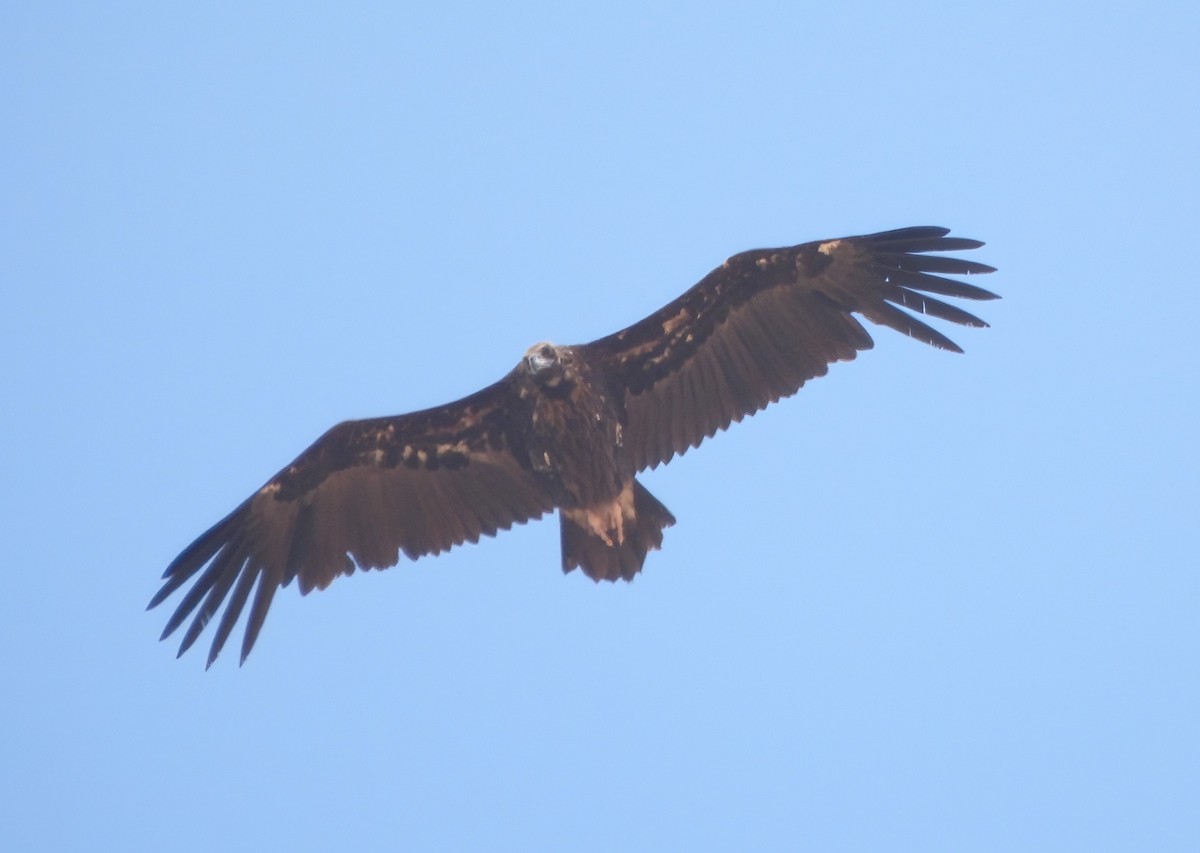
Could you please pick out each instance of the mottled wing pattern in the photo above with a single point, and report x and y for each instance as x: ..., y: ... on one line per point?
x: 364, y: 492
x: 758, y: 327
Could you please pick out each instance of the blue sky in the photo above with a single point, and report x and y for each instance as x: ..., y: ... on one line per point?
x: 933, y: 602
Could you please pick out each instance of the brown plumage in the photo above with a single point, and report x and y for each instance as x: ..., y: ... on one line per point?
x: 568, y: 429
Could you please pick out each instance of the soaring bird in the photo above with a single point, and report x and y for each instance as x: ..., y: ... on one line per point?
x: 569, y: 428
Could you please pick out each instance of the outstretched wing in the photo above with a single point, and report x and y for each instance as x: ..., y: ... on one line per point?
x: 763, y: 323
x: 366, y: 490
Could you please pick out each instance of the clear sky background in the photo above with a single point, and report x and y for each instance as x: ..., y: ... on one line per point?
x: 933, y: 602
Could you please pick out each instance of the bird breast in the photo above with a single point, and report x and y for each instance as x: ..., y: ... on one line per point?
x: 577, y: 442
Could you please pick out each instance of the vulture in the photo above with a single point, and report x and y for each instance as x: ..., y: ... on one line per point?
x: 569, y: 428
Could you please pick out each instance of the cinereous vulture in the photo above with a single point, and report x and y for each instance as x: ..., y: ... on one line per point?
x: 569, y: 428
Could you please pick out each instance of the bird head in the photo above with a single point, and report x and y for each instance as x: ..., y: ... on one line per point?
x: 546, y: 364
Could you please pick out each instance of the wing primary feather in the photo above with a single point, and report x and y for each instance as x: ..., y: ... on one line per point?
x: 889, y: 315
x: 196, y: 555
x: 921, y: 238
x: 915, y: 234
x: 232, y: 611
x: 267, y: 585
x: 937, y: 244
x: 227, y: 569
x: 199, y: 589
x: 208, y: 543
x: 933, y: 307
x: 931, y: 263
x: 938, y: 285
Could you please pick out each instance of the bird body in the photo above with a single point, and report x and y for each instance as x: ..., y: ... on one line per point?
x: 569, y: 428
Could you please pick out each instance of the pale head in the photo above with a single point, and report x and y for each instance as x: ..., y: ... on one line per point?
x: 546, y: 363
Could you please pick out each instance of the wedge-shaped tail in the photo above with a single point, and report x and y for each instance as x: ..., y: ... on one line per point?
x: 610, y: 541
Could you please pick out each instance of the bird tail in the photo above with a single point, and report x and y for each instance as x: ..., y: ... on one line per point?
x: 610, y: 540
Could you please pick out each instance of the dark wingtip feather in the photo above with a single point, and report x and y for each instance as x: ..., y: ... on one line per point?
x: 943, y: 343
x: 970, y: 291
x: 193, y: 632
x: 183, y: 610
x: 907, y: 248
x: 887, y: 314
x: 195, y: 556
x: 908, y: 272
x: 205, y: 545
x: 923, y: 239
x: 267, y: 587
x: 233, y: 609
x: 955, y: 244
x: 909, y: 234
x: 936, y: 284
x: 922, y: 304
